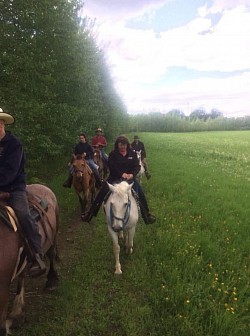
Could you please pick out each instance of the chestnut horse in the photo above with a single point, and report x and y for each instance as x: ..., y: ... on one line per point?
x: 103, y: 171
x: 83, y: 182
x: 13, y: 262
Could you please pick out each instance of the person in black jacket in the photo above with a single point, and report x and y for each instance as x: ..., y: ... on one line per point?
x: 123, y: 165
x: 137, y: 146
x: 12, y: 182
x: 84, y: 148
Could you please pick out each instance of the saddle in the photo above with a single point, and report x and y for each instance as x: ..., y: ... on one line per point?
x: 38, y: 209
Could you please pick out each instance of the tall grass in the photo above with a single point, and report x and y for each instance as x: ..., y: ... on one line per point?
x: 189, y: 274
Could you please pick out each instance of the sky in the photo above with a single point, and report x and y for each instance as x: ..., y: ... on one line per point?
x: 176, y: 54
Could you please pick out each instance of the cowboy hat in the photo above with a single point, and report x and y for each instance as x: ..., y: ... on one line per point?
x: 7, y: 118
x: 136, y: 137
x: 99, y: 129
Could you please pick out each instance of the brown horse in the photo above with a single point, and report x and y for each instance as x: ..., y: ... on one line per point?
x: 13, y: 262
x: 103, y: 171
x: 83, y: 182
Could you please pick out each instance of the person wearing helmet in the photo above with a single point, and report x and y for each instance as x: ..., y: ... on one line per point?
x: 123, y: 165
x: 99, y: 142
x: 137, y: 146
x: 12, y: 182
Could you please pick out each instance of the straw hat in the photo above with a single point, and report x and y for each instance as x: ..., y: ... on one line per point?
x: 7, y: 118
x: 99, y: 129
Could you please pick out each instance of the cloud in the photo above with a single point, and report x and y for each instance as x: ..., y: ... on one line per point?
x: 139, y: 59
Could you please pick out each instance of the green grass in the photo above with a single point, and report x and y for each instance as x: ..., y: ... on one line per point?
x: 189, y: 274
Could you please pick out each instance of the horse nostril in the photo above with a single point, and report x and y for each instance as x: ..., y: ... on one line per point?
x: 115, y: 229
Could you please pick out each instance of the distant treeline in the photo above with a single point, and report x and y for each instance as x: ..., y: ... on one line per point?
x: 175, y: 122
x: 54, y: 78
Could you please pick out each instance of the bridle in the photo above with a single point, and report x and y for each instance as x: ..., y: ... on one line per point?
x: 125, y: 219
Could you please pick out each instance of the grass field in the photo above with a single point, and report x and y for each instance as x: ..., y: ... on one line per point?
x: 189, y: 274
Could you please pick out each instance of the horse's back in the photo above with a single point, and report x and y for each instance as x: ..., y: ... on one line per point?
x: 48, y: 225
x: 43, y: 192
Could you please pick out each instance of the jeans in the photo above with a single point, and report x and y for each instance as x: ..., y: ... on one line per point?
x: 104, y: 156
x: 19, y: 202
x: 93, y: 166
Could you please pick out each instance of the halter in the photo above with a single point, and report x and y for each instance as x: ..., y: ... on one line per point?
x: 126, y: 215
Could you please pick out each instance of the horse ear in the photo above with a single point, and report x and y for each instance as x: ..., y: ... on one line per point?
x: 111, y: 187
x: 131, y: 185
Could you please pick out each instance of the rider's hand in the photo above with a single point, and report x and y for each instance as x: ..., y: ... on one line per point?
x: 128, y: 177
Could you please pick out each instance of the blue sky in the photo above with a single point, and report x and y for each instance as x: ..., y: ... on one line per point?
x: 184, y: 54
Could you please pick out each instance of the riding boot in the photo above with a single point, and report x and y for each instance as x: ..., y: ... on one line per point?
x: 93, y: 211
x: 148, y: 176
x: 98, y: 181
x: 147, y: 217
x: 38, y: 266
x: 68, y: 182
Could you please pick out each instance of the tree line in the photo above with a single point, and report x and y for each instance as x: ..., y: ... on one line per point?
x: 54, y: 78
x: 176, y: 121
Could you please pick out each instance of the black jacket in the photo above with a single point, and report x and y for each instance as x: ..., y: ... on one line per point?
x: 139, y: 147
x: 12, y: 160
x: 84, y: 147
x: 119, y: 164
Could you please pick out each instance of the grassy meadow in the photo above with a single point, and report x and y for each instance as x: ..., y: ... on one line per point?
x: 189, y: 274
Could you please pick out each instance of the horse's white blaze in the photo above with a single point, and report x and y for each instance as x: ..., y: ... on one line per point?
x: 124, y: 218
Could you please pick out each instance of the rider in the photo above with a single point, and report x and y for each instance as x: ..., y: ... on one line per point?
x: 12, y: 182
x: 83, y: 147
x: 123, y: 165
x: 137, y: 146
x: 99, y: 142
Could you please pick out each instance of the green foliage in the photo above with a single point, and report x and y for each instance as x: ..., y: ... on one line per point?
x: 54, y: 79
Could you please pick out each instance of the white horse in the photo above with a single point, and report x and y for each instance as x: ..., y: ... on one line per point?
x: 122, y: 216
x: 142, y: 170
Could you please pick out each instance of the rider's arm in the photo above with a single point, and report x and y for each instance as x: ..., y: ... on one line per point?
x: 10, y: 163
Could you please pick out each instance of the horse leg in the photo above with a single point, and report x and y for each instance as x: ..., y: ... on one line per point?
x: 82, y: 202
x: 52, y: 276
x: 130, y: 240
x: 116, y: 250
x: 4, y: 298
x: 18, y: 305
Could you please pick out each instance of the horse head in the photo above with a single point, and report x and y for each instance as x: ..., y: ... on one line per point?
x: 97, y: 156
x: 79, y: 166
x: 120, y: 205
x: 138, y: 153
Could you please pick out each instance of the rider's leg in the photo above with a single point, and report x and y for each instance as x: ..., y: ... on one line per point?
x: 93, y: 211
x: 19, y: 202
x: 145, y: 165
x: 104, y: 157
x: 146, y: 215
x: 68, y: 182
x: 94, y: 169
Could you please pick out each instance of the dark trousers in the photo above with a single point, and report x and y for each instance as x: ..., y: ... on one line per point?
x: 105, y: 189
x: 19, y: 202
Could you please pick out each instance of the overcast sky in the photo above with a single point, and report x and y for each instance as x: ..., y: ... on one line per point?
x: 176, y: 54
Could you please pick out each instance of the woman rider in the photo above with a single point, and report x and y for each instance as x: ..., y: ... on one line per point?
x: 123, y: 165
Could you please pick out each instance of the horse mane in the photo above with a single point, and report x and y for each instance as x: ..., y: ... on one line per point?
x: 121, y: 187
x: 79, y: 157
